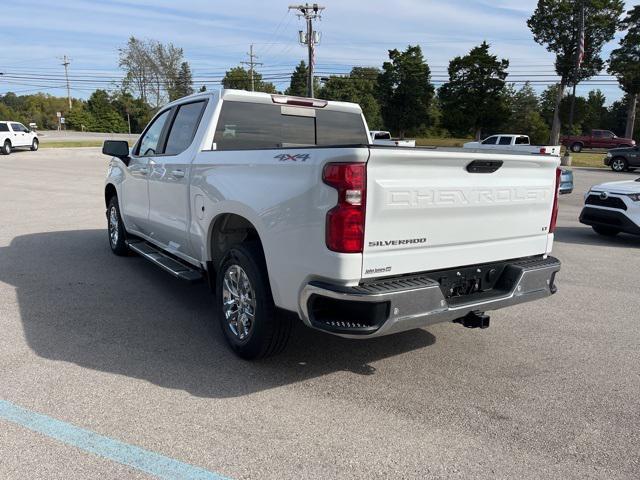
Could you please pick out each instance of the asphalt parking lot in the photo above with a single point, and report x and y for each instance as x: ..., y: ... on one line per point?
x: 116, y: 347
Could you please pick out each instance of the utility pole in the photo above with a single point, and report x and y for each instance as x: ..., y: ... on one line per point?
x: 251, y: 64
x: 312, y: 38
x: 65, y: 64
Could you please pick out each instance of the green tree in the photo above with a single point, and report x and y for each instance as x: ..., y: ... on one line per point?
x: 183, y: 85
x: 359, y: 87
x: 104, y: 116
x: 525, y: 115
x: 596, y: 112
x: 475, y: 96
x: 298, y: 85
x: 555, y: 24
x: 240, y: 79
x: 624, y: 63
x: 405, y: 91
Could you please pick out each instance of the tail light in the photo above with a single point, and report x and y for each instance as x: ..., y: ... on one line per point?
x: 345, y: 221
x: 543, y: 151
x: 554, y: 212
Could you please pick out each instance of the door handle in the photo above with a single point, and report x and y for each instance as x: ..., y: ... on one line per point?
x: 177, y: 173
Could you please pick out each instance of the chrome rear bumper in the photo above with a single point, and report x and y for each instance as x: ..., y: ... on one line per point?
x: 406, y: 303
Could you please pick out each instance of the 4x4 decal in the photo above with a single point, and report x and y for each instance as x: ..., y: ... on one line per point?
x: 284, y: 157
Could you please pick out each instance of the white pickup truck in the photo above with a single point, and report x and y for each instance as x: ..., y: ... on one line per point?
x: 14, y: 135
x: 382, y: 137
x: 512, y: 142
x: 282, y: 204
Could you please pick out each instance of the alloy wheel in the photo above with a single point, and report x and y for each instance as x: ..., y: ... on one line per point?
x: 238, y: 302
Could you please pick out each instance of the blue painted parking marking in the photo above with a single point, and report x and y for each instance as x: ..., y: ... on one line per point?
x: 88, y: 441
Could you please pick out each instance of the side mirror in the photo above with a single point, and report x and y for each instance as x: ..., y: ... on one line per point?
x: 116, y: 148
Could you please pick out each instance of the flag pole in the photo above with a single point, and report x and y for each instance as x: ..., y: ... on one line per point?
x: 579, y: 58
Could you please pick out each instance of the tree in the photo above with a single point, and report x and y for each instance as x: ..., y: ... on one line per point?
x: 299, y: 78
x: 136, y: 59
x: 405, y: 91
x: 359, y: 87
x: 184, y: 83
x: 475, y: 98
x: 103, y: 116
x: 624, y: 63
x: 596, y: 112
x: 525, y: 117
x: 152, y: 69
x: 555, y: 24
x: 240, y: 79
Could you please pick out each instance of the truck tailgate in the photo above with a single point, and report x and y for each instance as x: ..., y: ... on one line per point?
x: 425, y: 210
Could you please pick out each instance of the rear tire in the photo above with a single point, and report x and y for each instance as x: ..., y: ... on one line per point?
x: 35, y: 145
x: 606, y: 231
x: 576, y: 147
x: 619, y: 164
x: 6, y: 148
x: 115, y: 229
x: 244, y: 304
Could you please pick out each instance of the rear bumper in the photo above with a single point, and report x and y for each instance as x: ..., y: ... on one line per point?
x: 397, y: 304
x: 600, y: 217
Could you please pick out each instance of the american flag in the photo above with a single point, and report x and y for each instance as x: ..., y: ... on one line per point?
x: 581, y: 39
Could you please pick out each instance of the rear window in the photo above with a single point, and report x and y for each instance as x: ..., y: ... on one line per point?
x: 382, y: 136
x: 4, y: 127
x: 522, y: 140
x: 249, y: 126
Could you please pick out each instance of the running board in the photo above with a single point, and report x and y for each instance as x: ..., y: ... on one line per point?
x: 165, y: 262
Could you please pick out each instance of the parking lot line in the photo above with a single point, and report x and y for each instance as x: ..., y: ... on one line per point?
x: 88, y: 441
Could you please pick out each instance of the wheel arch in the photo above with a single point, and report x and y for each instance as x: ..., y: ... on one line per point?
x: 110, y: 191
x: 230, y: 228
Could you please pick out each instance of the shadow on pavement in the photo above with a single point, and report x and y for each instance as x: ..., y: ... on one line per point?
x: 79, y: 303
x: 586, y: 236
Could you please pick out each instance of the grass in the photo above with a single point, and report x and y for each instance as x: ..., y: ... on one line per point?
x: 588, y: 159
x: 72, y: 144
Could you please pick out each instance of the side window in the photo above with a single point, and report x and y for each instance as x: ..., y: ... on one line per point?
x: 522, y: 140
x: 4, y: 127
x: 609, y: 134
x: 505, y: 140
x: 490, y: 141
x: 149, y: 142
x: 184, y: 127
x: 16, y: 127
x: 598, y: 133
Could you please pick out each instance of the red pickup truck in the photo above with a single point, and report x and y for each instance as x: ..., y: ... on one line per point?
x: 597, y: 139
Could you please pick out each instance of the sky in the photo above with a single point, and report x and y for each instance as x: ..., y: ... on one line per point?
x: 216, y: 35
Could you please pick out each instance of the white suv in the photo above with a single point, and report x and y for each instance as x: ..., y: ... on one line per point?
x: 14, y: 134
x: 614, y: 207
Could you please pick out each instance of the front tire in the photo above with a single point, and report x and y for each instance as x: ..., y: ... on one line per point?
x: 245, y: 307
x: 35, y: 145
x: 576, y: 147
x: 606, y: 231
x: 115, y: 229
x: 619, y: 164
x: 6, y: 148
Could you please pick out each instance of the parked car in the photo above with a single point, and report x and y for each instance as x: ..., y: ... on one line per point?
x: 621, y: 159
x: 15, y: 135
x: 566, y: 181
x: 512, y: 141
x: 293, y: 213
x: 614, y: 207
x: 381, y: 137
x: 596, y: 139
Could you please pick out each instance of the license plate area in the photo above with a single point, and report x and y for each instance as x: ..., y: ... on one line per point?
x: 465, y: 281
